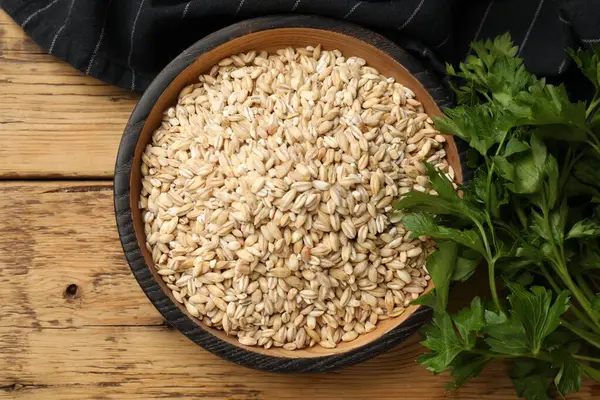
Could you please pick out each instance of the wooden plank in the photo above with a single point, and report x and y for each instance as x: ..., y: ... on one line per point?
x: 103, y: 339
x: 61, y: 234
x: 54, y: 120
x: 150, y: 362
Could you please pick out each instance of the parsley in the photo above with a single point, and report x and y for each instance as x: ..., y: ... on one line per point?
x: 530, y: 215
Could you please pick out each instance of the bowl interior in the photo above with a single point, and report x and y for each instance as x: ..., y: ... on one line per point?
x: 272, y: 40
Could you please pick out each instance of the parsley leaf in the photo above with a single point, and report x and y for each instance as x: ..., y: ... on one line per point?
x: 425, y: 225
x: 444, y: 267
x: 466, y: 263
x: 590, y: 258
x: 492, y: 196
x: 428, y: 299
x: 587, y: 171
x: 469, y: 321
x: 416, y: 201
x: 441, y: 184
x: 531, y: 378
x: 441, y: 265
x: 588, y: 63
x: 558, y: 219
x: 533, y: 309
x: 467, y: 366
x: 568, y: 378
x: 515, y: 146
x: 551, y: 105
x: 494, y: 69
x: 447, y: 202
x: 584, y: 228
x: 504, y: 335
x: 561, y: 132
x: 522, y: 172
x: 442, y: 340
x: 551, y: 185
x: 481, y: 125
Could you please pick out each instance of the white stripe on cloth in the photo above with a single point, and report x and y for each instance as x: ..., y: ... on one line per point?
x: 93, y: 57
x: 562, y: 65
x: 564, y: 21
x: 591, y: 40
x: 296, y: 5
x: 37, y: 12
x: 185, y: 10
x: 485, y: 15
x: 405, y: 24
x: 443, y: 42
x: 62, y: 27
x: 535, y: 17
x: 54, y: 40
x: 352, y: 9
x: 239, y: 7
x: 131, y: 45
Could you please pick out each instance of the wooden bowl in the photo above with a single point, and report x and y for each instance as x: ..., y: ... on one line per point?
x: 269, y: 34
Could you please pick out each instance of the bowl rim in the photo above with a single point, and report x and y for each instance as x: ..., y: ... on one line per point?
x: 123, y: 169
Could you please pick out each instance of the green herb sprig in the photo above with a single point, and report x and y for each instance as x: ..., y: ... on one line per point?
x: 531, y: 215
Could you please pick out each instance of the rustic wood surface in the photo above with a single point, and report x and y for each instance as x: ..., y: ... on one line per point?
x: 73, y: 322
x: 54, y: 120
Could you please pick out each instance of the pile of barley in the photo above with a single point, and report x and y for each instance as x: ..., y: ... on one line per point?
x: 266, y: 194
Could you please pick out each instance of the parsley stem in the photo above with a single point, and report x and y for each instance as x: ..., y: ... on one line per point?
x: 563, y: 271
x: 549, y: 278
x: 488, y: 185
x: 491, y: 261
x: 582, y: 317
x: 542, y: 355
x: 586, y: 358
x: 589, y: 371
x: 491, y: 354
x: 588, y: 337
x: 492, y: 282
x: 490, y: 225
x: 595, y: 147
x: 592, y: 138
x: 584, y: 286
x: 566, y: 173
x: 511, y: 230
x: 595, y: 102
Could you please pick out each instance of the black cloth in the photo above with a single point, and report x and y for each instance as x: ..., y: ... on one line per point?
x: 127, y: 42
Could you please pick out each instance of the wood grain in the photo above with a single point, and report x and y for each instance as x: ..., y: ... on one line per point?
x: 143, y: 362
x: 106, y: 341
x: 55, y: 235
x: 54, y: 120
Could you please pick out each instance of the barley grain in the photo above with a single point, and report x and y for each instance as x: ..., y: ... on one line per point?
x: 265, y: 195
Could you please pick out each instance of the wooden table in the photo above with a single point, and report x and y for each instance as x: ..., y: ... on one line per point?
x: 74, y: 324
